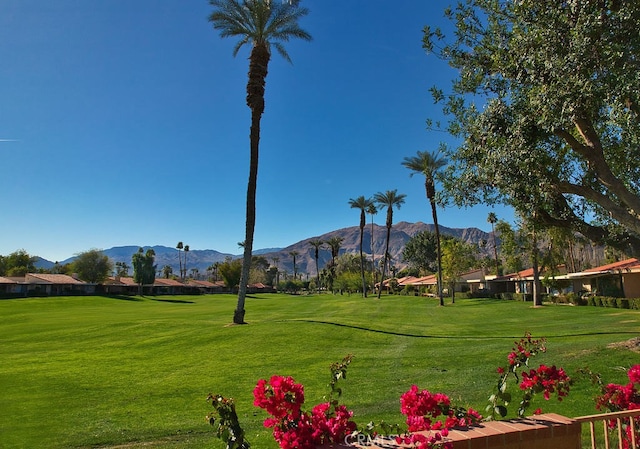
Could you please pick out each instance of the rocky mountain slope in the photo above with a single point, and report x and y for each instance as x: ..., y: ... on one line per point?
x: 400, y: 234
x: 305, y: 262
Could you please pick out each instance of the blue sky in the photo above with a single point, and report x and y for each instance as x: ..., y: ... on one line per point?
x: 124, y: 123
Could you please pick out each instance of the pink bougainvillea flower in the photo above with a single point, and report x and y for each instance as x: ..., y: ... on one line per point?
x: 634, y: 374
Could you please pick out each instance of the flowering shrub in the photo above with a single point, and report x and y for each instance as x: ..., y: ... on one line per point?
x: 294, y: 428
x: 228, y: 425
x: 432, y: 411
x: 615, y: 398
x: 546, y: 380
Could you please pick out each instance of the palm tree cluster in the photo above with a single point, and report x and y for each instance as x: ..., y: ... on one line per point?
x: 263, y: 24
x: 426, y: 163
x: 183, y: 250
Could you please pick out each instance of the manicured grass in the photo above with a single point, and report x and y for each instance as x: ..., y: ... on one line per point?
x: 80, y: 372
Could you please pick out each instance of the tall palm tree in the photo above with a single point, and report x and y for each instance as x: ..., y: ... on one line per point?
x: 363, y: 204
x: 429, y: 164
x: 493, y: 219
x: 389, y: 199
x: 186, y: 250
x: 276, y: 260
x: 294, y: 254
x: 317, y: 246
x: 261, y: 24
x: 372, y: 211
x: 335, y: 243
x: 179, y: 247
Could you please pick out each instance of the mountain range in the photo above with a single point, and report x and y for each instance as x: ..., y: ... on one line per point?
x: 305, y: 262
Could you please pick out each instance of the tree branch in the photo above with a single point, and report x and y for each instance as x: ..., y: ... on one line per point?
x: 592, y: 152
x: 619, y: 213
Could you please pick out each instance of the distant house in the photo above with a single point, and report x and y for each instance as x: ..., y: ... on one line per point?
x: 58, y: 284
x: 260, y: 288
x: 9, y: 287
x: 619, y: 279
x: 164, y: 286
x: 118, y: 285
x: 37, y: 284
x: 471, y: 281
x: 522, y: 281
x: 206, y: 286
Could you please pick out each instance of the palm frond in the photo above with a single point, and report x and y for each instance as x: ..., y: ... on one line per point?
x: 259, y: 22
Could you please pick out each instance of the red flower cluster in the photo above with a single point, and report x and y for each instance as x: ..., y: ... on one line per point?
x: 525, y: 349
x: 293, y: 428
x: 432, y: 411
x: 280, y: 397
x: 617, y: 398
x: 546, y: 379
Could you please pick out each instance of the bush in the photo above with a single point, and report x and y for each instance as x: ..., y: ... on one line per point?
x: 622, y: 303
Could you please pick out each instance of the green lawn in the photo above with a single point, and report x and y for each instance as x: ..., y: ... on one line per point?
x: 80, y: 372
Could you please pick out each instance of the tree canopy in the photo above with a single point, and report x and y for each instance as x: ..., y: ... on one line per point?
x: 93, y: 266
x: 420, y: 252
x: 546, y: 111
x: 144, y: 268
x: 18, y: 263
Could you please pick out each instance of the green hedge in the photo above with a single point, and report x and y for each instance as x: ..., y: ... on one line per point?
x: 619, y: 303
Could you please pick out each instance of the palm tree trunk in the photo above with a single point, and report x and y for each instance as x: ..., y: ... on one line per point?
x: 373, y: 257
x: 317, y: 272
x: 537, y: 297
x: 258, y: 63
x: 364, y: 282
x: 434, y: 213
x: 495, y: 250
x: 384, y: 258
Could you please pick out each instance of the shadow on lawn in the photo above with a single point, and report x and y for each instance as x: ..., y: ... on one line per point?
x: 452, y: 337
x: 176, y: 301
x: 123, y: 297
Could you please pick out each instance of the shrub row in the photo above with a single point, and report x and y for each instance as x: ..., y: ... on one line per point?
x: 620, y: 303
x: 598, y: 301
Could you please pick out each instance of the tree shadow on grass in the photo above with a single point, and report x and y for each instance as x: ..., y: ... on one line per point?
x: 176, y: 301
x: 451, y: 337
x: 123, y: 297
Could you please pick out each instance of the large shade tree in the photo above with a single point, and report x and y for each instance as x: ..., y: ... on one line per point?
x: 93, y: 266
x: 388, y: 200
x: 546, y: 110
x: 144, y: 268
x: 363, y: 204
x: 262, y: 24
x: 429, y: 163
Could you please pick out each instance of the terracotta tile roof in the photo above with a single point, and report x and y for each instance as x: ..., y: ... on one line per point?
x: 168, y: 282
x: 199, y: 283
x: 424, y: 280
x: 620, y: 265
x: 117, y: 280
x: 53, y: 278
